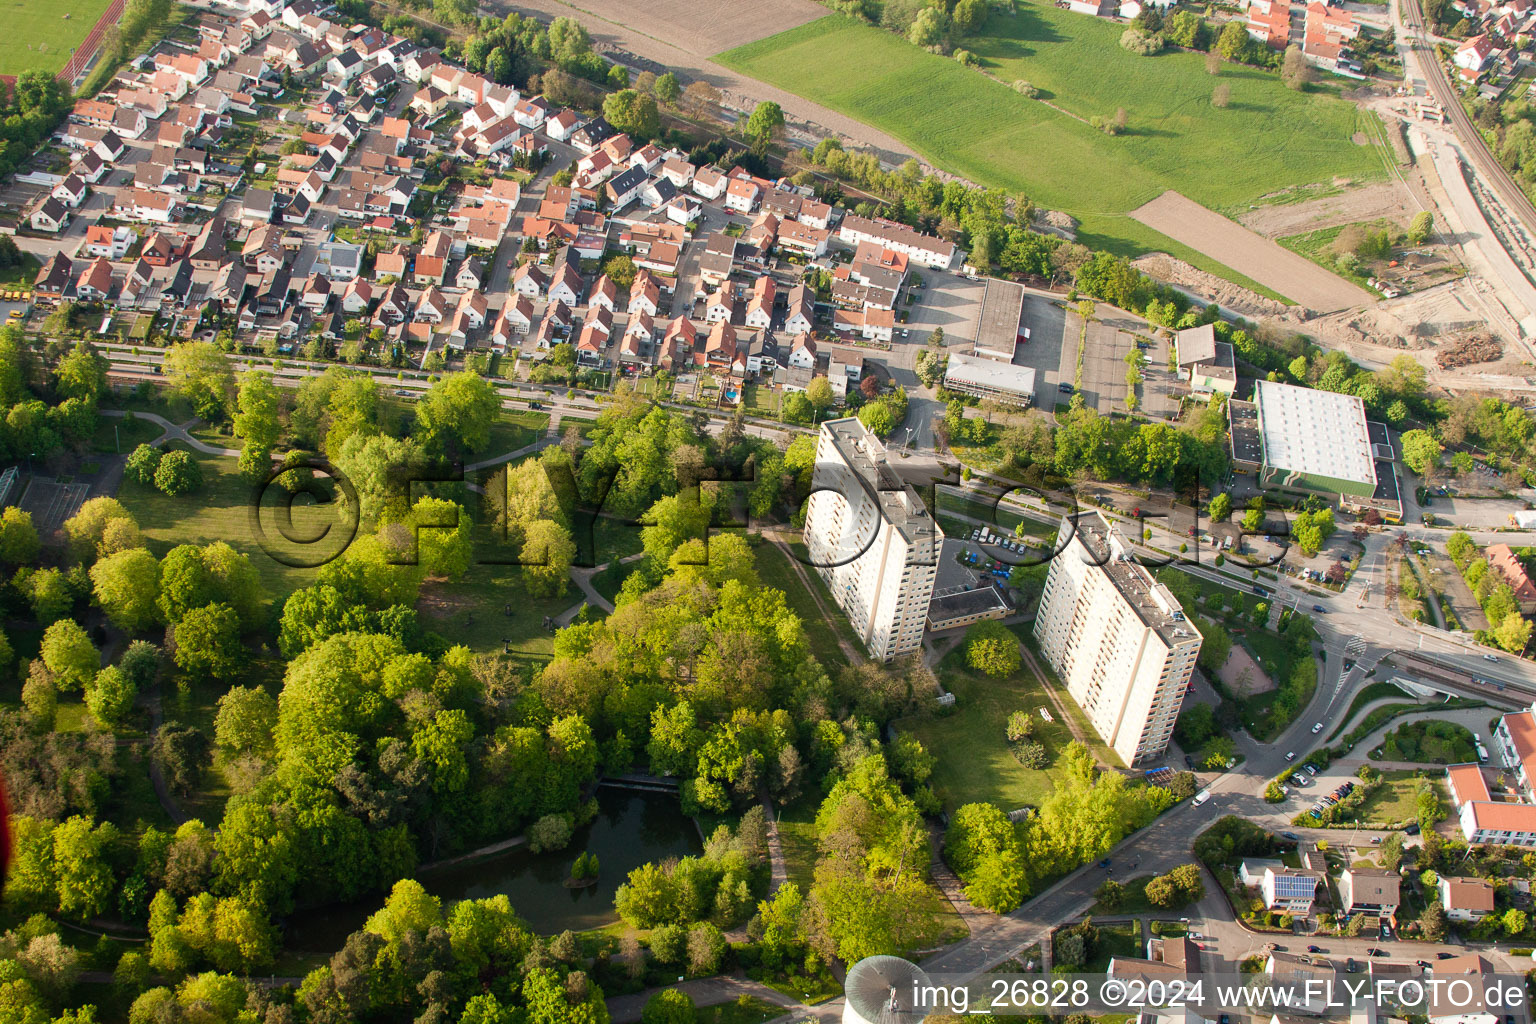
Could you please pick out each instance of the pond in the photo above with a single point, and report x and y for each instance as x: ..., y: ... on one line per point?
x: 631, y: 828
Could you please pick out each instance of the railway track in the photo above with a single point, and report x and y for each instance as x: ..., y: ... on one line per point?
x: 1498, y: 179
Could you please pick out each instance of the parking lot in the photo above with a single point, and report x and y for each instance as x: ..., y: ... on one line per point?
x: 1045, y: 321
x: 949, y: 301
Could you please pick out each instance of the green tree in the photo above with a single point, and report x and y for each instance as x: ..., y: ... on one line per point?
x: 82, y: 373
x: 765, y: 123
x: 87, y: 529
x: 1513, y: 633
x: 928, y: 27
x: 183, y: 753
x: 201, y: 374
x: 669, y: 1006
x: 1420, y: 451
x: 819, y: 394
x: 208, y: 642
x: 667, y: 90
x: 983, y: 847
x: 1233, y: 42
x: 633, y: 113
x: 19, y: 543
x: 444, y: 546
x: 142, y: 463
x: 110, y: 697
x: 992, y: 648
x: 1312, y: 529
x: 82, y: 866
x: 1421, y: 227
x: 257, y: 423
x: 69, y: 654
x: 178, y: 474
x: 1221, y: 507
x: 245, y: 720
x: 127, y: 587
x: 546, y: 558
x: 457, y: 413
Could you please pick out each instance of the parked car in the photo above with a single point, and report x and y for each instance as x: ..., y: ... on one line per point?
x: 1444, y: 955
x: 1293, y: 837
x: 1314, y: 949
x: 1319, y: 609
x: 1490, y: 657
x: 1311, y: 769
x: 1189, y: 762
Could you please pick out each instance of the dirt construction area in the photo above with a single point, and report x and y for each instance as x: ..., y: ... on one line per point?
x: 1233, y: 245
x: 1385, y: 199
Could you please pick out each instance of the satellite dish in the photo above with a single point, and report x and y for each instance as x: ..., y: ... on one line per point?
x: 882, y: 990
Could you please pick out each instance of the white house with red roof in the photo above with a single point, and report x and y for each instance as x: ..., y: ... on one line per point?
x: 1474, y: 54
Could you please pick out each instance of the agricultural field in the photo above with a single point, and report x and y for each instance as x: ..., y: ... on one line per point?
x: 42, y: 32
x: 1268, y: 139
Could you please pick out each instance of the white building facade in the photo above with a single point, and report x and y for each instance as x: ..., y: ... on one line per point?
x: 1117, y: 637
x: 872, y: 539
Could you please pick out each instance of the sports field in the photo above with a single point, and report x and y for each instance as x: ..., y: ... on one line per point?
x: 1267, y: 139
x: 39, y: 33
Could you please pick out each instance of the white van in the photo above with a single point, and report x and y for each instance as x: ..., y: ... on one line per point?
x: 1201, y: 797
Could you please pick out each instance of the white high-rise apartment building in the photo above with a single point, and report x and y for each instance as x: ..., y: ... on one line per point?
x: 872, y: 539
x: 1117, y: 638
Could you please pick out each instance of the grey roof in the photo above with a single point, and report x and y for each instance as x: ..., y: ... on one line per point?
x: 1153, y: 603
x: 990, y: 373
x: 1197, y: 345
x: 1002, y: 307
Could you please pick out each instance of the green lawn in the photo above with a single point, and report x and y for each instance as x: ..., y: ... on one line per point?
x: 489, y: 606
x: 775, y: 570
x: 113, y: 435
x: 42, y: 34
x: 797, y: 837
x: 1267, y: 140
x: 514, y: 430
x: 23, y: 273
x: 1396, y: 799
x: 969, y: 741
x: 221, y: 510
x: 1317, y: 246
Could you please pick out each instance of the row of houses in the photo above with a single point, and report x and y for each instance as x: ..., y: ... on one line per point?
x: 1499, y: 30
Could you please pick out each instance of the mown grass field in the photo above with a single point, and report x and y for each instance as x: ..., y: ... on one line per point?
x: 40, y: 33
x: 974, y: 761
x: 1267, y: 140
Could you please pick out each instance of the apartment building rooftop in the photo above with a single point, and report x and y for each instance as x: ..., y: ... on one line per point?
x: 1154, y: 603
x: 899, y: 504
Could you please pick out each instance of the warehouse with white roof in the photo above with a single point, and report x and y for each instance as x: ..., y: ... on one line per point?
x: 1313, y: 440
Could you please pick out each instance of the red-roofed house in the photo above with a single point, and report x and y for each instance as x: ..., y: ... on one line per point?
x: 1473, y: 54
x: 1503, y: 561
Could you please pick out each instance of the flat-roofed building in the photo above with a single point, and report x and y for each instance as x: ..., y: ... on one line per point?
x: 1313, y: 440
x: 872, y: 539
x: 999, y: 328
x: 988, y: 378
x: 1117, y: 637
x: 1206, y: 362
